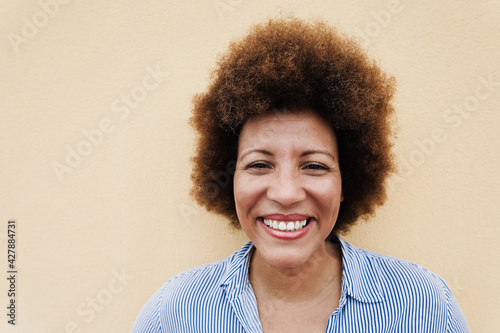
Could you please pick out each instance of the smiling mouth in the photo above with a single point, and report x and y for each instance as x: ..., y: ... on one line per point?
x: 285, y: 225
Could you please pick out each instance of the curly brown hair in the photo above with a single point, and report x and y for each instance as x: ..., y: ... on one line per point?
x: 290, y: 64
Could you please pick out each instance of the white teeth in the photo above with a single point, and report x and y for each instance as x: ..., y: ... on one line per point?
x: 285, y: 226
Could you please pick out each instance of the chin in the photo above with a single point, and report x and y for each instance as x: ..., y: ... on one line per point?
x: 286, y: 261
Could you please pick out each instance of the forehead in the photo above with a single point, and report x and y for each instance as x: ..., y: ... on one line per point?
x: 286, y: 118
x: 305, y: 126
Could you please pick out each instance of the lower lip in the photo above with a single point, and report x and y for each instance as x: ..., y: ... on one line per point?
x: 288, y: 235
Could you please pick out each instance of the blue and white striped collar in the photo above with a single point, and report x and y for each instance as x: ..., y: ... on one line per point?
x: 236, y: 277
x: 360, y: 275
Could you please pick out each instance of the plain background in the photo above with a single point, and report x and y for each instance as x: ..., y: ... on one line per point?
x: 99, y: 234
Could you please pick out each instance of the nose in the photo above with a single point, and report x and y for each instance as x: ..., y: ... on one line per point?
x: 286, y: 187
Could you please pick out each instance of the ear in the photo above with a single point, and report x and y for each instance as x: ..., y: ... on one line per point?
x: 341, y: 196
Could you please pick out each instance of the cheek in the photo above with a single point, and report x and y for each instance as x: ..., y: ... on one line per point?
x: 246, y: 193
x: 327, y: 193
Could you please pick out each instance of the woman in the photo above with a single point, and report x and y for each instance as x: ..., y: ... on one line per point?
x: 301, y: 119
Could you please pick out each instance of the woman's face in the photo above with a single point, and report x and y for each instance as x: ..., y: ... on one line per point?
x: 287, y: 185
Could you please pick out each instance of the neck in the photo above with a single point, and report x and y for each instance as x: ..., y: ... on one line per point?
x: 321, y: 272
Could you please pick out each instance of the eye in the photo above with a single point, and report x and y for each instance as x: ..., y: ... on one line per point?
x: 316, y: 166
x: 258, y: 165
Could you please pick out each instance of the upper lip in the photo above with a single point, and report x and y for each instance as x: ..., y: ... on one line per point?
x: 286, y: 217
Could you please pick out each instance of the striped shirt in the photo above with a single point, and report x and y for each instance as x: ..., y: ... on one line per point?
x: 379, y: 294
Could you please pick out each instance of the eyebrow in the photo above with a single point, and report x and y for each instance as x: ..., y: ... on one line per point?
x: 318, y: 151
x: 307, y: 152
x: 262, y: 151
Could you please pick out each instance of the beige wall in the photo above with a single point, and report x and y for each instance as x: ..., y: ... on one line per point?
x: 98, y: 236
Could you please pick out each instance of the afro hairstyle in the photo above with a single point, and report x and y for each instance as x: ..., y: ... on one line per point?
x: 290, y: 64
